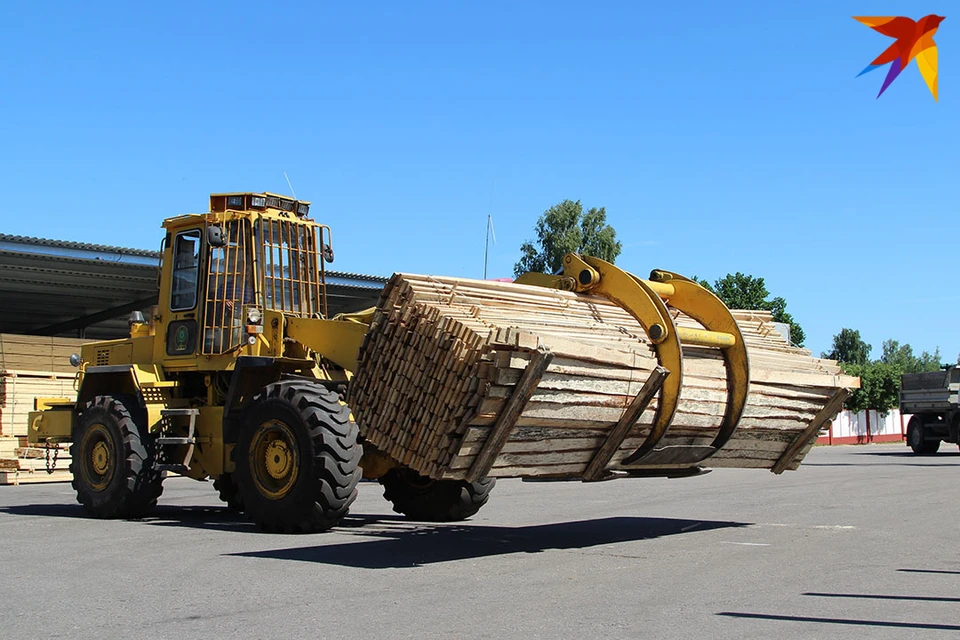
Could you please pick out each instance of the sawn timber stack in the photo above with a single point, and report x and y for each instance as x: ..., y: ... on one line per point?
x: 461, y: 379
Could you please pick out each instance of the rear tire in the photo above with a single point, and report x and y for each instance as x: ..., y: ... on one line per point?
x: 228, y: 491
x: 916, y: 438
x: 112, y: 459
x: 297, y: 459
x: 421, y: 498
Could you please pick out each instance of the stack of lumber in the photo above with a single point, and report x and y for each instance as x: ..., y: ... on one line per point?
x: 463, y: 378
x: 32, y: 367
x: 38, y: 353
x: 33, y: 465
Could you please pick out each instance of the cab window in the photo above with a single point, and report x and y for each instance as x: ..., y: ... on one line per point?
x: 186, y: 271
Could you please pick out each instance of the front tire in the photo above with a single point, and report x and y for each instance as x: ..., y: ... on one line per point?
x: 917, y: 439
x: 297, y: 459
x: 112, y: 459
x: 421, y: 498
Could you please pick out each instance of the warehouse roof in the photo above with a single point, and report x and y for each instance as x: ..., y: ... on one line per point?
x: 57, y: 287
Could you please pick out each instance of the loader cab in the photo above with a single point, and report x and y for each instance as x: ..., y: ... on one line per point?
x: 181, y: 289
x: 221, y: 272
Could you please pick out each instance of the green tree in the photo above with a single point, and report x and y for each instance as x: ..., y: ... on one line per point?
x: 901, y: 357
x: 565, y: 228
x: 849, y: 348
x: 741, y: 291
x: 879, y: 386
x: 879, y: 379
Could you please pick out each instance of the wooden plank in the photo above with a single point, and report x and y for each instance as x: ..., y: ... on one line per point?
x: 597, y: 466
x: 508, y: 417
x: 828, y: 411
x: 20, y: 477
x: 443, y: 356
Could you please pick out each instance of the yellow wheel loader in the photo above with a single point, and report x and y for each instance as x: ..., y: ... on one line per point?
x: 239, y: 375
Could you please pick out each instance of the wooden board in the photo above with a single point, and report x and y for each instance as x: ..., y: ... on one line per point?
x: 439, y: 368
x: 37, y: 353
x: 19, y: 390
x: 25, y: 477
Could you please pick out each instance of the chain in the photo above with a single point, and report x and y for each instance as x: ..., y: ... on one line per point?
x: 52, y: 465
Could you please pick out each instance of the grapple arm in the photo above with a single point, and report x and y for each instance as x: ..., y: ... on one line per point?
x: 646, y: 301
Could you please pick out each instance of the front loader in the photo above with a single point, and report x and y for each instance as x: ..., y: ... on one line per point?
x: 240, y: 375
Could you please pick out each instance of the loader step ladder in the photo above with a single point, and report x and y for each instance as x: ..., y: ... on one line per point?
x: 163, y: 440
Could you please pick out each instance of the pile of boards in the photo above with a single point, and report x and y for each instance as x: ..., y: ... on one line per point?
x: 448, y: 361
x: 31, y: 367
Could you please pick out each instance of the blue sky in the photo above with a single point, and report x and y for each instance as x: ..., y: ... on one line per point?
x: 720, y: 137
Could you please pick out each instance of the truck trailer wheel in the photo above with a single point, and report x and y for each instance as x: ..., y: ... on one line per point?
x: 228, y: 491
x: 916, y: 438
x: 297, y: 459
x: 422, y: 498
x: 113, y: 460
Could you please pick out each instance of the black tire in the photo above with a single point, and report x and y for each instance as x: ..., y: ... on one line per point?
x: 297, y: 459
x: 916, y: 438
x: 421, y: 498
x: 112, y: 459
x: 228, y: 491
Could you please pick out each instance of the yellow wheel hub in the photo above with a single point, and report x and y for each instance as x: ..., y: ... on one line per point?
x: 279, y: 460
x: 100, y: 458
x: 274, y: 459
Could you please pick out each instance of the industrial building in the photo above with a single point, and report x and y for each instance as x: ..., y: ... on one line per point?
x: 79, y: 290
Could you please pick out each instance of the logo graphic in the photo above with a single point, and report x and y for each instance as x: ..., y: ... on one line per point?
x: 181, y: 338
x: 914, y: 40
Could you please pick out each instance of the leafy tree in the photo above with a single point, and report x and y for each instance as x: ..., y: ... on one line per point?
x: 849, y: 348
x: 879, y: 379
x: 565, y: 228
x: 879, y: 386
x: 901, y: 357
x: 740, y: 291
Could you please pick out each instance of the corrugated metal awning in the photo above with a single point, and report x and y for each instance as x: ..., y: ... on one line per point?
x: 56, y: 287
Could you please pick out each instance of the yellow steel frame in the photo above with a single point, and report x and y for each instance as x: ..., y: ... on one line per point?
x: 645, y: 300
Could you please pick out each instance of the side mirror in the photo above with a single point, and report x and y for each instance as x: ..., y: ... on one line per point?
x: 215, y: 237
x: 328, y: 253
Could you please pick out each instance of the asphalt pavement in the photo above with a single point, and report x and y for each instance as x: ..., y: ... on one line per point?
x: 862, y: 540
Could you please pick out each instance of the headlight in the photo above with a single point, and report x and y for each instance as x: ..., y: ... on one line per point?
x: 254, y: 316
x: 303, y: 209
x: 258, y: 201
x: 234, y: 201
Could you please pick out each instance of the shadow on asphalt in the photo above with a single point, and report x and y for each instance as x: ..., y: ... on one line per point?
x: 935, y: 626
x: 877, y: 596
x: 899, y: 458
x: 422, y: 544
x: 952, y: 573
x: 168, y: 515
x: 841, y: 621
x: 213, y: 518
x: 875, y: 464
x: 943, y: 453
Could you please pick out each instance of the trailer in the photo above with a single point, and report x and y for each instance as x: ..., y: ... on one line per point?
x: 931, y: 399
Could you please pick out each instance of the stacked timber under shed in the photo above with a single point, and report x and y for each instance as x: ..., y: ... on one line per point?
x: 31, y: 367
x: 464, y: 379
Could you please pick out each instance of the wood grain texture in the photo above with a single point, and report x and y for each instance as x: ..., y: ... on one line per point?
x: 444, y: 358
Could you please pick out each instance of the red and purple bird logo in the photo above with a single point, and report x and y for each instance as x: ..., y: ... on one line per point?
x: 914, y: 40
